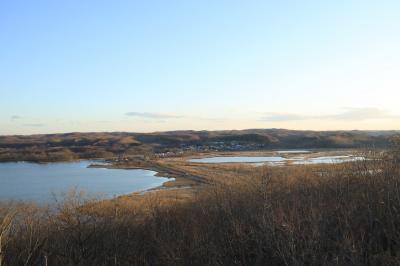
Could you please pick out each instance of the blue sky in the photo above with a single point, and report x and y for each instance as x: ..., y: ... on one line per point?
x: 165, y: 65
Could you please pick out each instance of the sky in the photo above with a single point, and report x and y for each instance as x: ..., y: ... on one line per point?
x: 145, y: 66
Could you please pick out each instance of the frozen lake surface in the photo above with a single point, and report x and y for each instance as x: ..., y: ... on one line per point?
x: 329, y: 160
x: 238, y: 159
x: 293, y: 151
x: 278, y: 160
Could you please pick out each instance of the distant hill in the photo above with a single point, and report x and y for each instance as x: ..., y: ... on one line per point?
x: 68, y: 146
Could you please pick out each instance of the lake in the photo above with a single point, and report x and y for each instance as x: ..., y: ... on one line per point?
x: 238, y: 159
x: 330, y: 159
x: 278, y: 160
x: 38, y: 182
x: 293, y: 151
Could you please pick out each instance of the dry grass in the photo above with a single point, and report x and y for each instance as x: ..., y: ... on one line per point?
x: 347, y: 214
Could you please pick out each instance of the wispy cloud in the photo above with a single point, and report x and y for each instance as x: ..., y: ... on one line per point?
x: 275, y: 117
x: 350, y: 114
x: 153, y: 115
x: 15, y: 117
x: 163, y: 117
x: 361, y: 114
x: 34, y: 125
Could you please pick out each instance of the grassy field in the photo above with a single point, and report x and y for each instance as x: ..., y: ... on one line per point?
x: 345, y: 214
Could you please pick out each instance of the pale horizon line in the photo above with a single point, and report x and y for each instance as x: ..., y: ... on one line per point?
x: 193, y: 130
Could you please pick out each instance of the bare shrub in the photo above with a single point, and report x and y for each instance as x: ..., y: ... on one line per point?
x: 344, y: 214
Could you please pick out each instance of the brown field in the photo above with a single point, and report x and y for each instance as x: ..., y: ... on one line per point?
x: 345, y: 214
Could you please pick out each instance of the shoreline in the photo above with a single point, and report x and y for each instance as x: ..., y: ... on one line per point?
x: 185, y: 175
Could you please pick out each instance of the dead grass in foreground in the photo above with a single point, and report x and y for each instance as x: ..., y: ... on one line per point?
x: 346, y: 214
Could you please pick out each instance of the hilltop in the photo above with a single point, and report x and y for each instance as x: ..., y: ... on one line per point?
x: 71, y: 146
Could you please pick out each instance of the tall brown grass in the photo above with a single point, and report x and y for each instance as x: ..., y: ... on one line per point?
x: 347, y: 214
